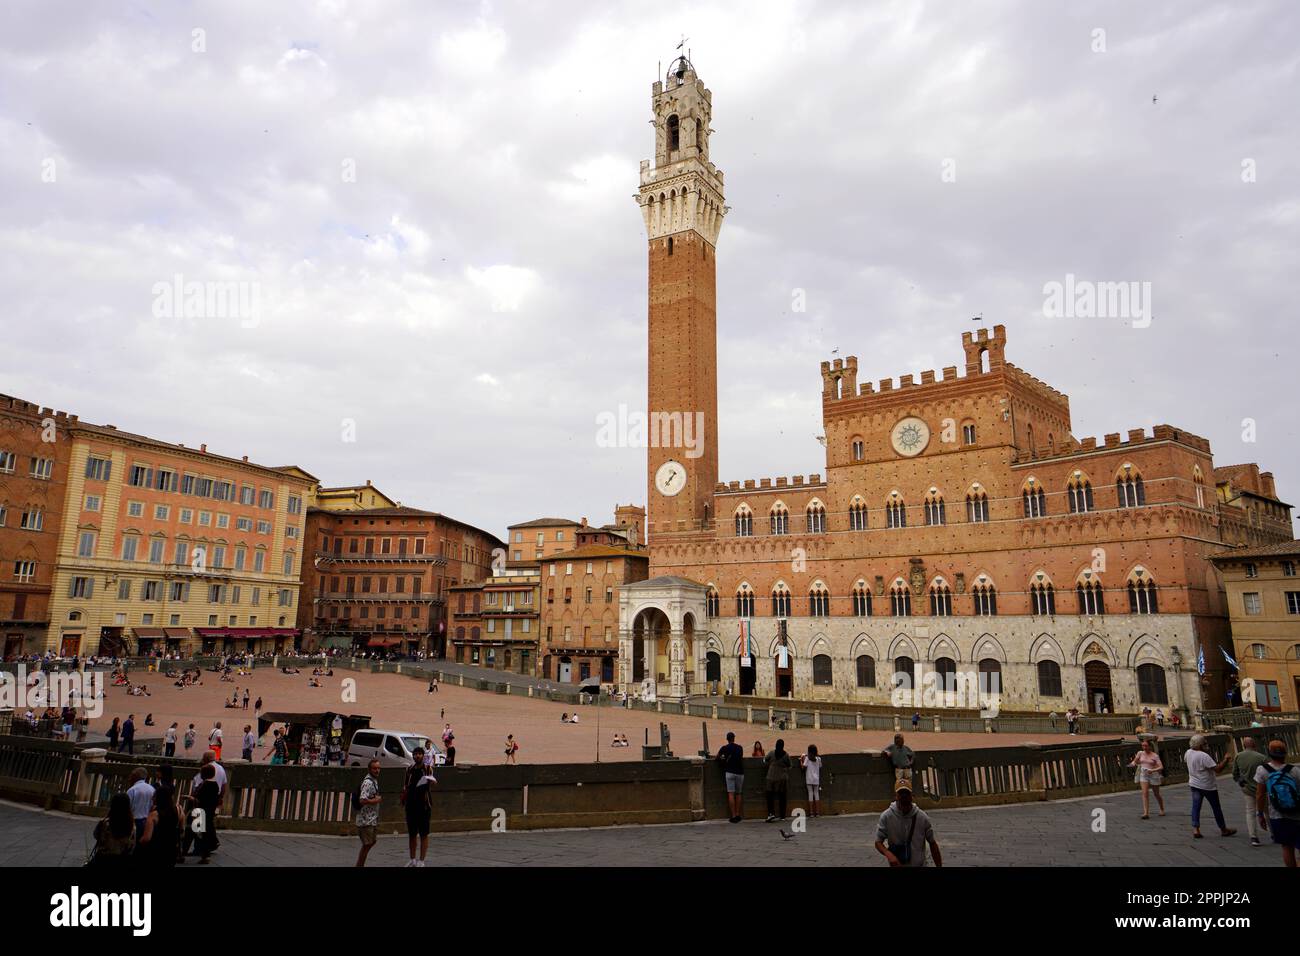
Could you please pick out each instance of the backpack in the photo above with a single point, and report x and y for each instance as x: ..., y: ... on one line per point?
x: 1283, y: 793
x: 356, y: 796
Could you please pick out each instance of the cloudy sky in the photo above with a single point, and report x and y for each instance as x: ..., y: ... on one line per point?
x: 433, y: 201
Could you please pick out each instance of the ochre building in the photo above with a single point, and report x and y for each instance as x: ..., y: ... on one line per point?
x: 958, y: 535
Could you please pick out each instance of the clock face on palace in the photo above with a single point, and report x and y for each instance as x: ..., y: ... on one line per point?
x: 670, y: 478
x: 910, y: 436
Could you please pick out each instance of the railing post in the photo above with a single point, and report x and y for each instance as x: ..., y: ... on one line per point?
x: 938, y: 728
x: 898, y: 723
x: 89, y: 756
x: 749, y: 713
x: 858, y: 720
x: 715, y: 711
x: 988, y: 725
x: 817, y: 720
x: 1037, y: 782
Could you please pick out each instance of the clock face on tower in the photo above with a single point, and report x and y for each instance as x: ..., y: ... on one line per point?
x: 910, y: 436
x: 670, y: 478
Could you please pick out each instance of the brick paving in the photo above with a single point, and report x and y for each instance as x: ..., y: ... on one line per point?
x: 1057, y: 833
x: 480, y: 719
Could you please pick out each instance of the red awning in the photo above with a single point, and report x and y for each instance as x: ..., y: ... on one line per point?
x: 176, y: 633
x: 246, y: 631
x: 148, y: 632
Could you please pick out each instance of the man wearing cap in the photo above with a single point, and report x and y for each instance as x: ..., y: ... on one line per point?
x: 904, y: 830
x: 1273, y: 791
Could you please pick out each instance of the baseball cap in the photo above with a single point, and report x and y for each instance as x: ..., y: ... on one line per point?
x: 901, y: 786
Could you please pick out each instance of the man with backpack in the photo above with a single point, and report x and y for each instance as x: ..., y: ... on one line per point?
x: 1277, y: 798
x: 365, y: 802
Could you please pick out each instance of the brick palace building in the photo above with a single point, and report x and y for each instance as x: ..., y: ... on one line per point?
x: 958, y: 530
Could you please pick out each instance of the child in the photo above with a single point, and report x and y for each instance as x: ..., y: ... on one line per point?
x: 812, y: 778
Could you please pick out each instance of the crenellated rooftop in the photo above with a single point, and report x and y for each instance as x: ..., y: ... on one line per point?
x: 769, y: 484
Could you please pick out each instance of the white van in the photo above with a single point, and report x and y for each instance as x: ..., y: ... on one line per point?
x: 393, y: 748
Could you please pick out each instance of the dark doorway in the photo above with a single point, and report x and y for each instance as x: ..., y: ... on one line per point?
x: 712, y: 666
x: 1096, y: 675
x: 638, y: 660
x: 748, y: 677
x: 607, y: 670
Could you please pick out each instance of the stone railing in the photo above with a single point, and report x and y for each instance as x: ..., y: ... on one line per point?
x: 294, y: 799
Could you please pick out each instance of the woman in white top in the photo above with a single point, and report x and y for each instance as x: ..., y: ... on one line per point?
x: 812, y: 778
x: 1201, y: 773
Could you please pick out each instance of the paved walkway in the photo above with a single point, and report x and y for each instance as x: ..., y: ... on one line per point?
x: 1058, y: 833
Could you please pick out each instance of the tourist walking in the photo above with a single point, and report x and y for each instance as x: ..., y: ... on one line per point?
x: 214, y: 741
x: 249, y: 742
x: 418, y: 802
x: 1072, y: 721
x: 1277, y: 791
x: 114, y: 835
x: 257, y: 708
x: 128, y: 735
x: 901, y: 758
x: 732, y: 757
x: 114, y: 732
x: 904, y: 831
x: 247, y: 695
x: 367, y: 807
x: 169, y: 741
x: 141, y: 795
x: 812, y: 779
x: 1201, y: 772
x: 1244, y: 766
x: 512, y: 748
x: 190, y: 736
x: 916, y: 721
x: 279, y: 749
x: 1150, y: 775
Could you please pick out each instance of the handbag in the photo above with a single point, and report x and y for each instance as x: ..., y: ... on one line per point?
x: 903, y: 851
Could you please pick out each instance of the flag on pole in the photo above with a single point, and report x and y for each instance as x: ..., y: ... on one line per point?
x: 1228, y: 657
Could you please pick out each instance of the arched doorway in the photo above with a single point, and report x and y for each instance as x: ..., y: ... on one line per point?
x: 1096, y: 676
x: 783, y: 661
x: 712, y: 666
x: 650, y: 644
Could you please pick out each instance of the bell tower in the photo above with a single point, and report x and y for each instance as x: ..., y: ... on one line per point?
x: 682, y: 202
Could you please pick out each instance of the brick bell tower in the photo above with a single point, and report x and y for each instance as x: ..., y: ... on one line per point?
x: 682, y: 202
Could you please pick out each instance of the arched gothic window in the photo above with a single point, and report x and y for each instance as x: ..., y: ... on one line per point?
x: 780, y: 601
x: 779, y: 520
x: 985, y: 597
x: 900, y: 600
x: 816, y: 518
x: 977, y: 507
x: 935, y: 513
x: 819, y: 601
x: 895, y: 513
x: 1079, y: 495
x: 857, y: 515
x: 940, y: 600
x: 861, y: 601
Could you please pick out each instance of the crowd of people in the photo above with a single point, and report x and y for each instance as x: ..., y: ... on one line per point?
x: 149, y: 826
